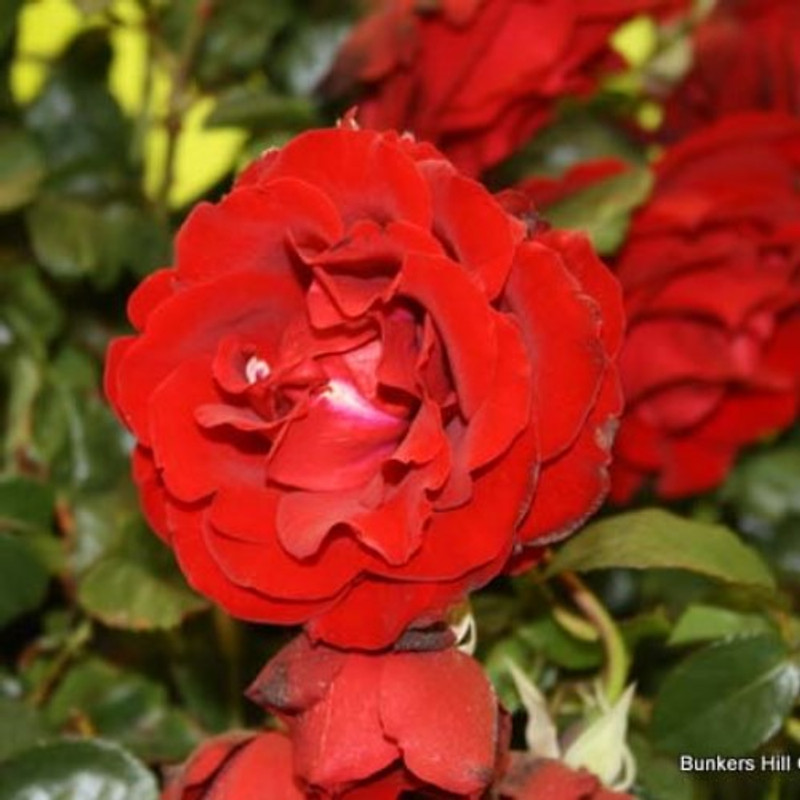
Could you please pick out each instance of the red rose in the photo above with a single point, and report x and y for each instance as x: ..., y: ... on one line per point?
x: 711, y: 275
x: 542, y: 779
x: 361, y: 388
x: 746, y: 58
x: 237, y: 766
x: 479, y: 77
x: 430, y: 721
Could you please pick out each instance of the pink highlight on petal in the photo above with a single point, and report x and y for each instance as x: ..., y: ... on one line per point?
x: 346, y: 399
x: 747, y: 344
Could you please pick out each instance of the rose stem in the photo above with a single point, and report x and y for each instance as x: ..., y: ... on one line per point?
x: 617, y: 658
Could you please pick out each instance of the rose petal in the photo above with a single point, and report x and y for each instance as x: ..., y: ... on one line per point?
x: 364, y: 175
x: 255, y: 306
x: 152, y: 494
x: 572, y: 486
x: 204, y: 574
x: 560, y: 325
x: 197, y: 461
x: 442, y: 712
x: 265, y: 761
x: 149, y: 295
x: 467, y: 218
x: 249, y: 230
x: 200, y: 767
x: 463, y: 319
x: 243, y: 540
x: 340, y: 740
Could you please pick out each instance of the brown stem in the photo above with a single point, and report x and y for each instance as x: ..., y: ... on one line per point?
x: 181, y: 79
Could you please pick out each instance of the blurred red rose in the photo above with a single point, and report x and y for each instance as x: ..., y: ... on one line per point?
x: 413, y: 720
x: 362, y: 387
x: 542, y: 779
x: 746, y: 58
x: 711, y: 275
x: 478, y: 77
x: 237, y: 766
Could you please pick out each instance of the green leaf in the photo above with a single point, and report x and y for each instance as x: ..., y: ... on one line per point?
x: 31, y: 303
x: 256, y: 107
x: 767, y: 484
x: 603, y: 210
x: 126, y: 707
x: 657, y: 539
x: 79, y: 126
x: 496, y: 665
x: 138, y: 586
x: 658, y: 776
x: 547, y: 637
x: 76, y: 770
x: 236, y: 43
x: 727, y: 699
x: 93, y: 456
x: 702, y: 623
x: 25, y: 504
x: 301, y: 60
x: 21, y: 169
x: 25, y: 379
x: 65, y: 234
x: 20, y: 727
x: 653, y: 624
x: 23, y: 578
x: 75, y: 238
x: 578, y: 136
x: 98, y: 524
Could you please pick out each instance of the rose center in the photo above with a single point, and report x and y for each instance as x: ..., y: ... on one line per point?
x: 256, y: 370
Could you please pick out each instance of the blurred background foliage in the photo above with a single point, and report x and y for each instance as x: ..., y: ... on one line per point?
x: 115, y: 115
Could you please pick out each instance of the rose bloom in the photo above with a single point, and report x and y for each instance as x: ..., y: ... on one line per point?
x: 237, y: 765
x: 711, y: 276
x: 422, y: 720
x: 364, y: 387
x: 479, y: 77
x: 259, y: 766
x: 543, y: 779
x: 746, y: 58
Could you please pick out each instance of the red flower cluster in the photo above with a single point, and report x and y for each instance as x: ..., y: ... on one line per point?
x: 361, y: 726
x: 711, y: 276
x: 746, y: 58
x: 422, y: 719
x: 478, y: 77
x: 364, y: 386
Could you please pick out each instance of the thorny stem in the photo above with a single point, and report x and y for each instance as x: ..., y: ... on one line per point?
x: 617, y: 658
x: 177, y: 100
